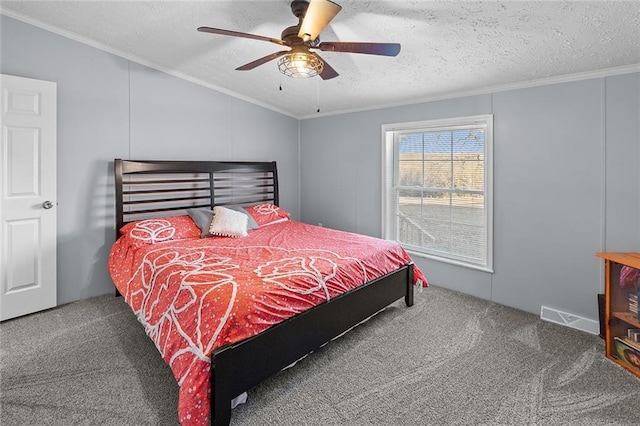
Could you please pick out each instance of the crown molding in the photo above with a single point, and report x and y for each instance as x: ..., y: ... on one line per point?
x: 568, y: 78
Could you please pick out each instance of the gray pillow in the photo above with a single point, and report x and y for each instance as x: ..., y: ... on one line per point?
x: 202, y: 218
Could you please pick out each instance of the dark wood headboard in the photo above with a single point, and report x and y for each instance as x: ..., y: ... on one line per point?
x: 147, y: 189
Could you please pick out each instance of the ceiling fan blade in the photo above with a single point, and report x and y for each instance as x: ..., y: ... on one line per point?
x: 384, y: 49
x: 318, y: 15
x: 327, y: 72
x: 239, y: 34
x: 263, y: 60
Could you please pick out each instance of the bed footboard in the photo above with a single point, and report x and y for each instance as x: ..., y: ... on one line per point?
x: 237, y: 368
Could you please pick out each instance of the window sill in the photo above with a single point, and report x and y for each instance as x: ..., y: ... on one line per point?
x: 450, y: 261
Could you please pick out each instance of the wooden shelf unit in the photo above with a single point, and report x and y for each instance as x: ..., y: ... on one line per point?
x: 618, y: 319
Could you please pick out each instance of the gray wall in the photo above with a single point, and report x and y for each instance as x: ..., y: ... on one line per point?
x: 566, y: 185
x: 109, y: 107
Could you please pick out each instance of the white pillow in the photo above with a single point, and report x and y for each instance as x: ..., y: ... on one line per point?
x: 228, y: 223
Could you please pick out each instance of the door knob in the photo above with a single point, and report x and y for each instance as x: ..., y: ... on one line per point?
x: 47, y: 205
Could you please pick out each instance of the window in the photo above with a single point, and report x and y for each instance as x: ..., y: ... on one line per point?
x: 437, y: 192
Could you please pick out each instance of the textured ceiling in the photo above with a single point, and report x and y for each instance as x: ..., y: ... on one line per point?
x: 448, y: 47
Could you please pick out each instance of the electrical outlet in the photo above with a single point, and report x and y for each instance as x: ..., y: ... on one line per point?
x: 319, y: 223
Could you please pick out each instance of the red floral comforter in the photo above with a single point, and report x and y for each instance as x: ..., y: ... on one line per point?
x: 194, y: 295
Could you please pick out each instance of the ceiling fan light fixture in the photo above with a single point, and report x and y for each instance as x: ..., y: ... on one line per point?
x: 300, y: 65
x: 299, y: 62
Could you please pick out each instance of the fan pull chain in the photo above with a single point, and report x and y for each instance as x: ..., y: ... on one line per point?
x: 280, y: 81
x: 318, y: 93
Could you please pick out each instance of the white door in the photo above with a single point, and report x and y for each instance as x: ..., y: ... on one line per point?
x: 27, y: 196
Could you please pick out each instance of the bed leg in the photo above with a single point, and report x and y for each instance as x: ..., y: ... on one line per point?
x: 220, y: 412
x: 408, y: 298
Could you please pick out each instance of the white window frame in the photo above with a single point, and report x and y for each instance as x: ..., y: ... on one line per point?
x: 390, y: 178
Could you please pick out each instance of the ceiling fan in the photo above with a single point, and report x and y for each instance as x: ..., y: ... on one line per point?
x: 300, y: 60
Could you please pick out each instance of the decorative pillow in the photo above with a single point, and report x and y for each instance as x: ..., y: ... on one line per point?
x: 203, y: 217
x: 159, y: 230
x: 251, y: 222
x: 268, y: 214
x: 228, y: 223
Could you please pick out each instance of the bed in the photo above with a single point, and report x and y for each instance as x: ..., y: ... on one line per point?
x: 307, y: 284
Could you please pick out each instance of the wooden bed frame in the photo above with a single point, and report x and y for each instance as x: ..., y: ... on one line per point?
x: 147, y: 189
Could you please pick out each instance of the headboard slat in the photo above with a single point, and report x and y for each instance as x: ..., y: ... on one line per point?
x: 164, y: 191
x: 164, y: 200
x: 167, y: 181
x: 166, y: 209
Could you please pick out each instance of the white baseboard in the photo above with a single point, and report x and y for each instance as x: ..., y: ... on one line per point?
x: 570, y: 320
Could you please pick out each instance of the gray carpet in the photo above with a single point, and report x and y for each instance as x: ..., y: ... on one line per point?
x: 451, y: 359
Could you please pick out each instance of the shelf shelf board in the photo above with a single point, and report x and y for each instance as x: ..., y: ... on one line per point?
x: 627, y: 317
